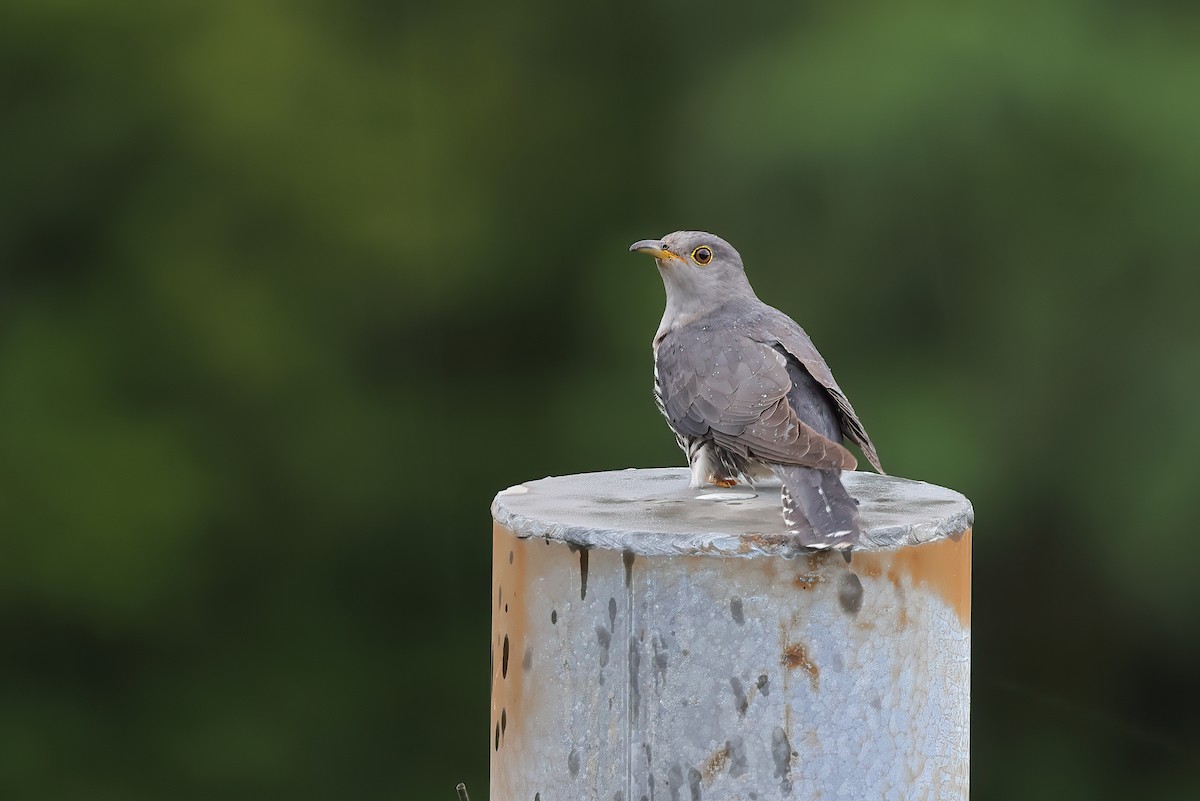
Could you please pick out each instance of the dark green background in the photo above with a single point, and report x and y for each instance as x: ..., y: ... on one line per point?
x: 289, y: 290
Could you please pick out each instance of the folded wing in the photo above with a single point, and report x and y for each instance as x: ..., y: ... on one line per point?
x: 734, y: 389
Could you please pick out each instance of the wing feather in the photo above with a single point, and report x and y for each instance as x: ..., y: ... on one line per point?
x: 779, y: 329
x: 734, y: 389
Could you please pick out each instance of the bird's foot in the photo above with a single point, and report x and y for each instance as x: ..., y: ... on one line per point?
x: 724, y: 483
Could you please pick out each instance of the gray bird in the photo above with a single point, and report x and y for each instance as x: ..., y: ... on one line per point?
x: 746, y: 392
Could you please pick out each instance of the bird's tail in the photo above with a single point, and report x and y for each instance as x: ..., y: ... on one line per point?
x: 817, y: 509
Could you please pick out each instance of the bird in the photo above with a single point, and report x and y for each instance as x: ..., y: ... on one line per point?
x: 747, y: 394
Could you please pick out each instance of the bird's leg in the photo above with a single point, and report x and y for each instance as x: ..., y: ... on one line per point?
x: 707, y: 468
x: 730, y: 471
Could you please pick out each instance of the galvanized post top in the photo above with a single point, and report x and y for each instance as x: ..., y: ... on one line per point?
x: 653, y: 512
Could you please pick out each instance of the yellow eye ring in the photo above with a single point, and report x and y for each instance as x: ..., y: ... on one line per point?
x: 702, y: 255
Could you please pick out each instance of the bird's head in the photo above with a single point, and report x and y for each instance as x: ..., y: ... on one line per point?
x: 699, y: 270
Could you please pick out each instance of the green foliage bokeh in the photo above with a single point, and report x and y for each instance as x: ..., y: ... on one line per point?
x: 289, y: 290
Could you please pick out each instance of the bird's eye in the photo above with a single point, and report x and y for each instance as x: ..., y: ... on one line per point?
x: 702, y: 255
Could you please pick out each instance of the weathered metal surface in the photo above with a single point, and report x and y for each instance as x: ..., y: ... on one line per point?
x: 649, y: 645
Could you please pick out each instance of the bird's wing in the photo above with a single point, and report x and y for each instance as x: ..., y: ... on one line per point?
x: 717, y: 383
x: 784, y: 331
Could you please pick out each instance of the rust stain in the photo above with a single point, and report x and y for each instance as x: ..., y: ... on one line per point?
x: 794, y: 656
x: 514, y: 693
x: 716, y: 763
x: 509, y: 564
x: 787, y: 712
x: 942, y: 567
x: 763, y: 541
x: 806, y: 581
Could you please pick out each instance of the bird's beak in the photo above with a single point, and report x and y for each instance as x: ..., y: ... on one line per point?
x: 653, y: 247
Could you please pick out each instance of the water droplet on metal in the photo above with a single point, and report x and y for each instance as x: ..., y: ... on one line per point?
x: 727, y: 496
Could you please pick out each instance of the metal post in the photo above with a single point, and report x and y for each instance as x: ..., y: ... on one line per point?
x: 655, y: 642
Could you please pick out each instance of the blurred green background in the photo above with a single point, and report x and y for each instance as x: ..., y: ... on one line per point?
x: 289, y: 290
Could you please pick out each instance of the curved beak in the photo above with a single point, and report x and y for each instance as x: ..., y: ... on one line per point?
x: 652, y: 247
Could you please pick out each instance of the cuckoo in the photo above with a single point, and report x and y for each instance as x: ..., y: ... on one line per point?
x: 748, y: 395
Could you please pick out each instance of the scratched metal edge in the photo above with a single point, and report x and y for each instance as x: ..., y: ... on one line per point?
x: 723, y: 544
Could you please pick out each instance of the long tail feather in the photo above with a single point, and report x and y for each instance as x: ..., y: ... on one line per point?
x: 817, y: 509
